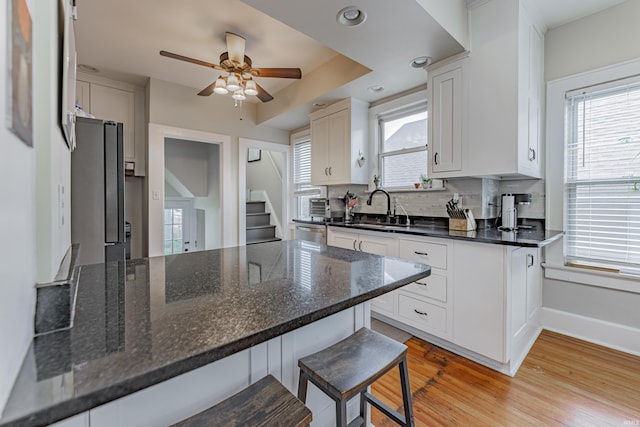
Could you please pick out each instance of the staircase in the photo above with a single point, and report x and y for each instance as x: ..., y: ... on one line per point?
x: 258, y: 225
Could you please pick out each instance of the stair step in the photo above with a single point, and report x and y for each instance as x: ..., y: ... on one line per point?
x: 261, y: 232
x: 253, y: 242
x: 255, y: 206
x: 255, y: 219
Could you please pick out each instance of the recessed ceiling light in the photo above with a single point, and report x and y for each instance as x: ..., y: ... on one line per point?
x: 421, y: 62
x: 351, y: 16
x: 88, y: 68
x: 375, y: 89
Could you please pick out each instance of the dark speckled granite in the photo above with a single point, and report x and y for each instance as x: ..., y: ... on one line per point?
x: 534, y: 237
x: 140, y: 323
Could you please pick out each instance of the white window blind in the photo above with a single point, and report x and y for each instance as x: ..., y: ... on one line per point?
x: 302, y: 163
x: 602, y: 174
x: 303, y: 190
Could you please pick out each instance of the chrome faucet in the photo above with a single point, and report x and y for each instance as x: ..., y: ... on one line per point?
x: 388, y: 200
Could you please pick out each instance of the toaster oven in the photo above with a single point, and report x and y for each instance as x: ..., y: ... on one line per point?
x: 319, y: 208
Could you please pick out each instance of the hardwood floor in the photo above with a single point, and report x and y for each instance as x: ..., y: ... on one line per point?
x: 562, y: 382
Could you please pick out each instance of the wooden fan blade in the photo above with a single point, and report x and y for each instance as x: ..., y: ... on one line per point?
x: 192, y: 60
x: 207, y: 90
x: 235, y: 47
x: 285, y: 73
x: 263, y: 95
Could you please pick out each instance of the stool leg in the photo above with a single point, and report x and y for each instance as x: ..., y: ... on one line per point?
x: 341, y: 413
x: 363, y: 408
x: 406, y: 393
x: 302, y: 387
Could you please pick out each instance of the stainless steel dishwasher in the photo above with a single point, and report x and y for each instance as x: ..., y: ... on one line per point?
x: 311, y: 232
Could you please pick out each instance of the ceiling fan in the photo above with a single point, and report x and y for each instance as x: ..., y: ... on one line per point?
x: 240, y: 73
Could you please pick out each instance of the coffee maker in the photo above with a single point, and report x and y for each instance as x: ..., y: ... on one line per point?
x: 509, y: 212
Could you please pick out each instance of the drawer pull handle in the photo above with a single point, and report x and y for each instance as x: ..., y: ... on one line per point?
x: 421, y: 284
x: 421, y: 313
x: 421, y: 253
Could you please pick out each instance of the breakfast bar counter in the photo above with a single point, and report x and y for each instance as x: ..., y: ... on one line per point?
x: 157, y: 339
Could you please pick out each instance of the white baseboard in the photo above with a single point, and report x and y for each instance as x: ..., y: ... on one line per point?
x: 608, y: 334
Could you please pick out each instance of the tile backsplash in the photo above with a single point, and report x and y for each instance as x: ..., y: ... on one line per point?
x: 481, y: 195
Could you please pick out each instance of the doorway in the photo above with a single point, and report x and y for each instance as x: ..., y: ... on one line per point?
x: 263, y: 175
x: 204, y: 180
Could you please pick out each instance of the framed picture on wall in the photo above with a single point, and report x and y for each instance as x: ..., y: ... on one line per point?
x: 253, y: 155
x: 20, y: 76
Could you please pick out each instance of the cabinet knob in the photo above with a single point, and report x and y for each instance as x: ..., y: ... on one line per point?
x: 421, y: 313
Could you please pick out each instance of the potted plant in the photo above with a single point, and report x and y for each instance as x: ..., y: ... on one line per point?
x: 426, y: 181
x: 377, y: 181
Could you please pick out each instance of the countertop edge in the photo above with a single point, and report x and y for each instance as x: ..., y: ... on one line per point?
x: 426, y: 233
x: 80, y: 404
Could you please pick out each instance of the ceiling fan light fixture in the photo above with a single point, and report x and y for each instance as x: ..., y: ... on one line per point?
x: 250, y: 88
x: 239, y: 95
x: 221, y: 86
x: 232, y: 83
x: 351, y: 16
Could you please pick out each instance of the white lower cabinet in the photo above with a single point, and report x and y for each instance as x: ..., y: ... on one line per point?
x: 373, y: 243
x: 481, y: 300
x: 497, y: 301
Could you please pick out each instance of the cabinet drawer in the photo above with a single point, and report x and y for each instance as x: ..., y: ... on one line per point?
x: 384, y: 303
x: 422, y: 314
x: 434, y: 287
x: 434, y: 254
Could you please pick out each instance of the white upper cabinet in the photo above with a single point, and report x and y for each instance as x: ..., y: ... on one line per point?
x: 505, y: 91
x: 446, y: 119
x: 120, y: 102
x: 338, y: 139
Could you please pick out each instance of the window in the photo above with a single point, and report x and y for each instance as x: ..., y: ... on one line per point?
x: 302, y: 188
x: 602, y: 174
x: 403, y: 146
x: 172, y: 231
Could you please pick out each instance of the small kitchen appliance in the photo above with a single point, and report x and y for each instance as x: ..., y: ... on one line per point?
x: 509, y: 212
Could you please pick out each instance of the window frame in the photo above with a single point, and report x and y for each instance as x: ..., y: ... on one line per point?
x: 607, y: 248
x: 403, y: 110
x: 296, y: 138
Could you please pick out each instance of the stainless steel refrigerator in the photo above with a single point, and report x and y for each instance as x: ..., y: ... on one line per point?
x: 97, y: 191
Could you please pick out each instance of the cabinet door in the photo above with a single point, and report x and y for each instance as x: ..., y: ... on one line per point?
x: 378, y: 245
x: 446, y: 122
x: 534, y: 282
x: 320, y: 151
x: 118, y: 105
x: 518, y: 290
x: 344, y: 240
x: 339, y: 148
x: 83, y: 95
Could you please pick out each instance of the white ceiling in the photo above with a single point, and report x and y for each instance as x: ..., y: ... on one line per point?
x: 122, y: 39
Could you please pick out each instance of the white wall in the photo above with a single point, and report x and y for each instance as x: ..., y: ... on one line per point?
x: 594, y: 310
x: 33, y: 240
x: 180, y: 107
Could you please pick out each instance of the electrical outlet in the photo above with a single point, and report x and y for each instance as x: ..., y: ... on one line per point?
x: 61, y: 203
x: 155, y: 194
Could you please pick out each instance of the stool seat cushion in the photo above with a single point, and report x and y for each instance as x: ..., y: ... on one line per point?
x: 344, y: 368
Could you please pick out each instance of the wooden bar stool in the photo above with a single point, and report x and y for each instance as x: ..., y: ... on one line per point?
x: 348, y: 367
x: 266, y: 403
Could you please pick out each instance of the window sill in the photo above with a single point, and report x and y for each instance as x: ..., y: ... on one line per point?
x: 601, y: 279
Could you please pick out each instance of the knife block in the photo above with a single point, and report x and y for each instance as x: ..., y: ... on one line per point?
x: 458, y: 224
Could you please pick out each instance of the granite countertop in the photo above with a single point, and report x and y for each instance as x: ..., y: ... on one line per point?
x: 143, y: 322
x: 531, y: 237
